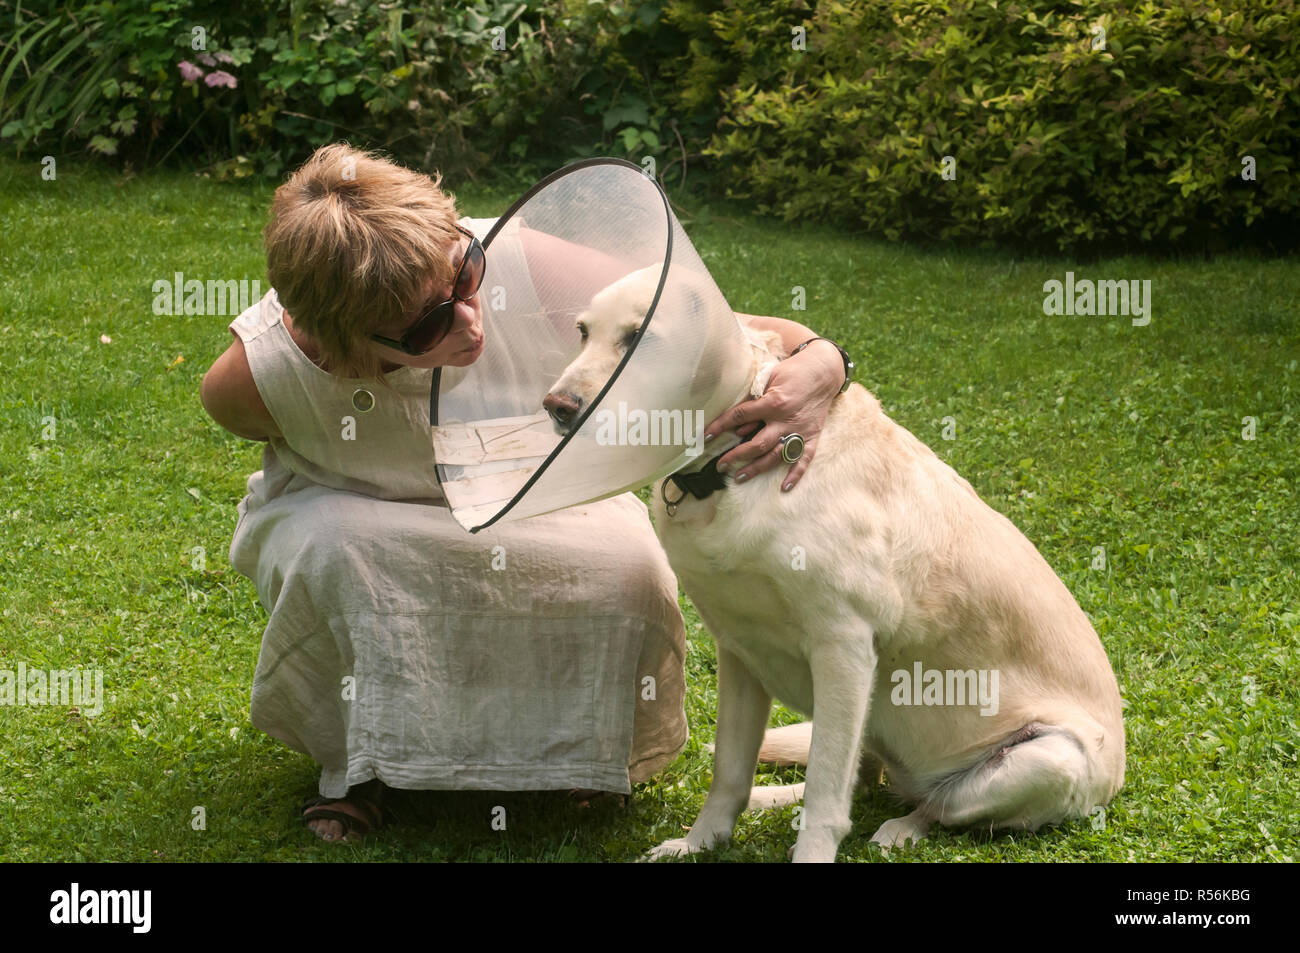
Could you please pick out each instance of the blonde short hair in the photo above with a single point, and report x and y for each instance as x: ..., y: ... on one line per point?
x: 352, y: 243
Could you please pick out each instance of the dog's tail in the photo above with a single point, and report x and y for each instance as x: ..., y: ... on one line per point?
x: 767, y: 796
x: 788, y: 745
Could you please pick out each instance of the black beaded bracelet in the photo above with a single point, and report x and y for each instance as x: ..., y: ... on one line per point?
x: 848, y: 364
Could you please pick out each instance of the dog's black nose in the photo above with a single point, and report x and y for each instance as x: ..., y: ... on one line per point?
x: 563, y: 408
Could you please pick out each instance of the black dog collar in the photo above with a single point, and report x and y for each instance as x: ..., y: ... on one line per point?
x: 702, y: 482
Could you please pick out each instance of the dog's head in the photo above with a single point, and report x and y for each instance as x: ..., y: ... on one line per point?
x: 679, y: 357
x: 607, y: 329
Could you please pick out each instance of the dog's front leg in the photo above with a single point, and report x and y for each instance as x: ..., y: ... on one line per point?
x: 843, y: 670
x: 743, y: 710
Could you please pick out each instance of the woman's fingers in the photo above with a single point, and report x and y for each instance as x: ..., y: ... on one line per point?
x: 734, y: 418
x: 795, y: 402
x: 751, y: 454
x: 800, y: 466
x: 763, y: 453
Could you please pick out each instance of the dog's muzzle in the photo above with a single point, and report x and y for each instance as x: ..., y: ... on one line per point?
x: 563, y: 408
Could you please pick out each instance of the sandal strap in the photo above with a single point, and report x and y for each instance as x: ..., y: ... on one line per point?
x: 350, y: 822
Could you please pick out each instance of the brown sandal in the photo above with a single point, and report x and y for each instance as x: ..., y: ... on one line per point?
x: 586, y: 797
x: 360, y: 826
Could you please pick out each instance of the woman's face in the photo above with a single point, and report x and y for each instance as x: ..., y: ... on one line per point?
x: 462, y: 345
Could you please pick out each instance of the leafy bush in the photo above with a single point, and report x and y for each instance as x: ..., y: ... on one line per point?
x: 101, y: 74
x: 1054, y: 140
x: 256, y: 87
x: 1057, y: 137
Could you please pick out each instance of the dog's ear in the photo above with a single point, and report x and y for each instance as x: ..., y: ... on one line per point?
x: 693, y: 300
x: 697, y: 305
x: 761, y: 377
x: 769, y: 351
x: 646, y: 283
x: 768, y: 342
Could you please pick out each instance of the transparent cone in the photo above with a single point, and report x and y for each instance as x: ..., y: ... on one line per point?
x: 546, y: 418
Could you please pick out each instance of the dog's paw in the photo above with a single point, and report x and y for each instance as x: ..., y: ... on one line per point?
x: 814, y: 854
x: 679, y: 847
x: 816, y: 844
x: 899, y: 831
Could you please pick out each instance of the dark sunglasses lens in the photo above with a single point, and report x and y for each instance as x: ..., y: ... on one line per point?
x: 471, y: 273
x: 433, y: 327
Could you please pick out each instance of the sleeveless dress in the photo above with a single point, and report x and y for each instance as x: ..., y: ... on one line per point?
x: 541, y: 654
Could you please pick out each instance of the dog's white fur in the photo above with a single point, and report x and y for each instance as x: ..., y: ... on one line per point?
x: 881, y: 557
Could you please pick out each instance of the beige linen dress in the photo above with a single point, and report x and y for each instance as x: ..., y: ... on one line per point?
x: 541, y: 654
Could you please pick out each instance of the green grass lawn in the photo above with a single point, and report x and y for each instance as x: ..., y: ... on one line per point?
x: 1086, y: 431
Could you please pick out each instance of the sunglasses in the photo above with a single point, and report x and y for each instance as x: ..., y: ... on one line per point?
x: 430, y: 328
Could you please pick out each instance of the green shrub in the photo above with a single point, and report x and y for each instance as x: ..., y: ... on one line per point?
x: 105, y: 77
x: 1054, y: 141
x: 460, y: 86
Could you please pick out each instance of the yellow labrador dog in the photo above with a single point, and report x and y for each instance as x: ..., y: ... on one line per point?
x: 925, y: 633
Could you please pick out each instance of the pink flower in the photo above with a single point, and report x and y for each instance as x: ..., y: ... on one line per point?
x: 220, y: 78
x: 189, y: 72
x: 225, y: 58
x: 207, y: 60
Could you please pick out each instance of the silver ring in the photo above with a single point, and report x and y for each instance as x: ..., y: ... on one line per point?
x: 791, y: 447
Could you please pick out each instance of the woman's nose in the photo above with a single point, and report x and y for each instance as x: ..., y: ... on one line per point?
x: 467, y: 313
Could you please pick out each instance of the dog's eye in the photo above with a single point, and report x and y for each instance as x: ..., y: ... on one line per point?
x: 628, y: 339
x: 582, y: 329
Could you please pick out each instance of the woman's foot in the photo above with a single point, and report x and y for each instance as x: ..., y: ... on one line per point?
x: 347, y: 818
x: 586, y: 797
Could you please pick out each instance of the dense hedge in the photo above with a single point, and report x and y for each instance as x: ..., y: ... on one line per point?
x: 257, y: 85
x: 1055, y: 138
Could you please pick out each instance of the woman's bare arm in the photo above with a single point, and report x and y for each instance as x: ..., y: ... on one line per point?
x: 231, y: 398
x: 792, y: 332
x: 549, y: 255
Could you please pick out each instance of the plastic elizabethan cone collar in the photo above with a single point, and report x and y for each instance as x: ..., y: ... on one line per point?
x: 660, y: 354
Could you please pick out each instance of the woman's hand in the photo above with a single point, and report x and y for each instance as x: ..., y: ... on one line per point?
x: 797, y: 400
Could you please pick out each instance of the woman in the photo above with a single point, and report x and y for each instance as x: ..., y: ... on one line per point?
x: 402, y: 651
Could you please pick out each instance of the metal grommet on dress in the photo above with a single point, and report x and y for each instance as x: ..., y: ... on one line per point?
x: 363, y: 400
